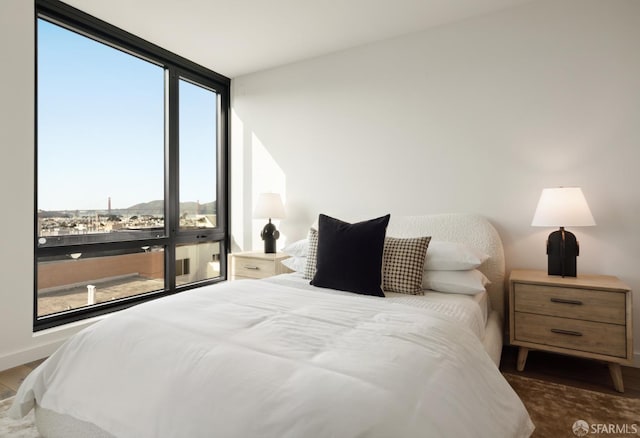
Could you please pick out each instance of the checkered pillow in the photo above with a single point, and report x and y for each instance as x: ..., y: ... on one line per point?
x: 312, y: 255
x: 403, y: 264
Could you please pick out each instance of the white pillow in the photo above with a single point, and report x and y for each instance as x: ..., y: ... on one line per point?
x: 451, y: 256
x: 296, y: 264
x: 299, y: 248
x: 469, y: 282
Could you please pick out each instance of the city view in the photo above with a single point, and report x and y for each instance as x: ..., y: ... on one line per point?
x: 145, y: 216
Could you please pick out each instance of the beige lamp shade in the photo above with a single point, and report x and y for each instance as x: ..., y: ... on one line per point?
x: 562, y: 207
x: 269, y: 206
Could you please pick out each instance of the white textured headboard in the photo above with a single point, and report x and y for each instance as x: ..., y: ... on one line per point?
x: 473, y: 230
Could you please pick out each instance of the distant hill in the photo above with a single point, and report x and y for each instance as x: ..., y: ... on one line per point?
x: 46, y: 214
x: 149, y: 208
x: 153, y: 208
x: 156, y: 208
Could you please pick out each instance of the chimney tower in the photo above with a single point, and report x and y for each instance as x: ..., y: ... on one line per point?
x: 109, y: 206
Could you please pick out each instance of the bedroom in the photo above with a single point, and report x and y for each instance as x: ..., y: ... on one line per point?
x: 487, y: 111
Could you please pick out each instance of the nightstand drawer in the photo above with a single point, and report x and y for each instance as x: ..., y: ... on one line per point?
x: 588, y: 336
x: 591, y: 305
x: 253, y: 267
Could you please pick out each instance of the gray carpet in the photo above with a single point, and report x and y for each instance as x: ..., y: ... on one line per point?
x: 10, y: 428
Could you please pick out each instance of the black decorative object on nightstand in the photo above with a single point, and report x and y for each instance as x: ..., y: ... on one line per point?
x: 269, y: 234
x: 269, y: 205
x: 562, y: 253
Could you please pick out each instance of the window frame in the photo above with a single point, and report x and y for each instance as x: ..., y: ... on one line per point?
x: 176, y: 67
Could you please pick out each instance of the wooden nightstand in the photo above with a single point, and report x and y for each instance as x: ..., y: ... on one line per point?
x: 587, y: 316
x: 256, y: 264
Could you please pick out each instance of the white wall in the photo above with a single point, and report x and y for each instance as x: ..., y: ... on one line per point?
x: 475, y: 116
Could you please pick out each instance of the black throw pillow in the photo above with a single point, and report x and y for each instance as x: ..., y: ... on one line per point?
x: 350, y: 255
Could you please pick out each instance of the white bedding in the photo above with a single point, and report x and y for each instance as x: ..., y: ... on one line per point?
x: 470, y: 310
x: 253, y: 358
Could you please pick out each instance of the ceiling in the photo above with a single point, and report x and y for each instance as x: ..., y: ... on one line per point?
x: 237, y: 37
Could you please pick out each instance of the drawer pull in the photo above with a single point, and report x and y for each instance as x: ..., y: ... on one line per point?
x: 566, y: 332
x: 253, y: 268
x: 563, y: 301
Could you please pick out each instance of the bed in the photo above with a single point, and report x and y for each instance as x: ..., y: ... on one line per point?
x: 281, y: 358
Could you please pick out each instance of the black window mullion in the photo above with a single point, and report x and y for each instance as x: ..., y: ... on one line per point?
x: 172, y: 212
x: 223, y: 177
x: 97, y: 247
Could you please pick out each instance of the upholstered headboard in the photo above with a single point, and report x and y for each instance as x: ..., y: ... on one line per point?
x: 473, y: 230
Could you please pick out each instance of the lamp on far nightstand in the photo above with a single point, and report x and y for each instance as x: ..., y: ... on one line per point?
x: 560, y: 207
x: 269, y: 206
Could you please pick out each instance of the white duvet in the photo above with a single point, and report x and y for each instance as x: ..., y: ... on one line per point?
x: 255, y: 359
x: 469, y: 310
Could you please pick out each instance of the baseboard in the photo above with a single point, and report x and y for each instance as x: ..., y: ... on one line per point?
x: 48, y: 340
x: 18, y: 358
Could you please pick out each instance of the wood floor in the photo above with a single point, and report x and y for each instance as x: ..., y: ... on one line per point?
x: 570, y: 371
x: 11, y: 379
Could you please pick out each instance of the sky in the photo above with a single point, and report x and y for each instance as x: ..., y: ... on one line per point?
x: 101, y: 127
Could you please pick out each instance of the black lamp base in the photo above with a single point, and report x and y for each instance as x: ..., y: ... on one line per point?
x: 562, y: 253
x: 270, y: 234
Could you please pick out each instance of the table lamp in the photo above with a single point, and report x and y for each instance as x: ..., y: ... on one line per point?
x: 269, y: 205
x: 560, y: 207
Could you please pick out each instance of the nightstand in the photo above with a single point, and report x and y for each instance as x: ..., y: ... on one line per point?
x: 256, y: 264
x: 586, y: 316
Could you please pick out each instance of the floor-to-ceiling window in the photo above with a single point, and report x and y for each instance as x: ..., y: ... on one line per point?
x: 131, y: 169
